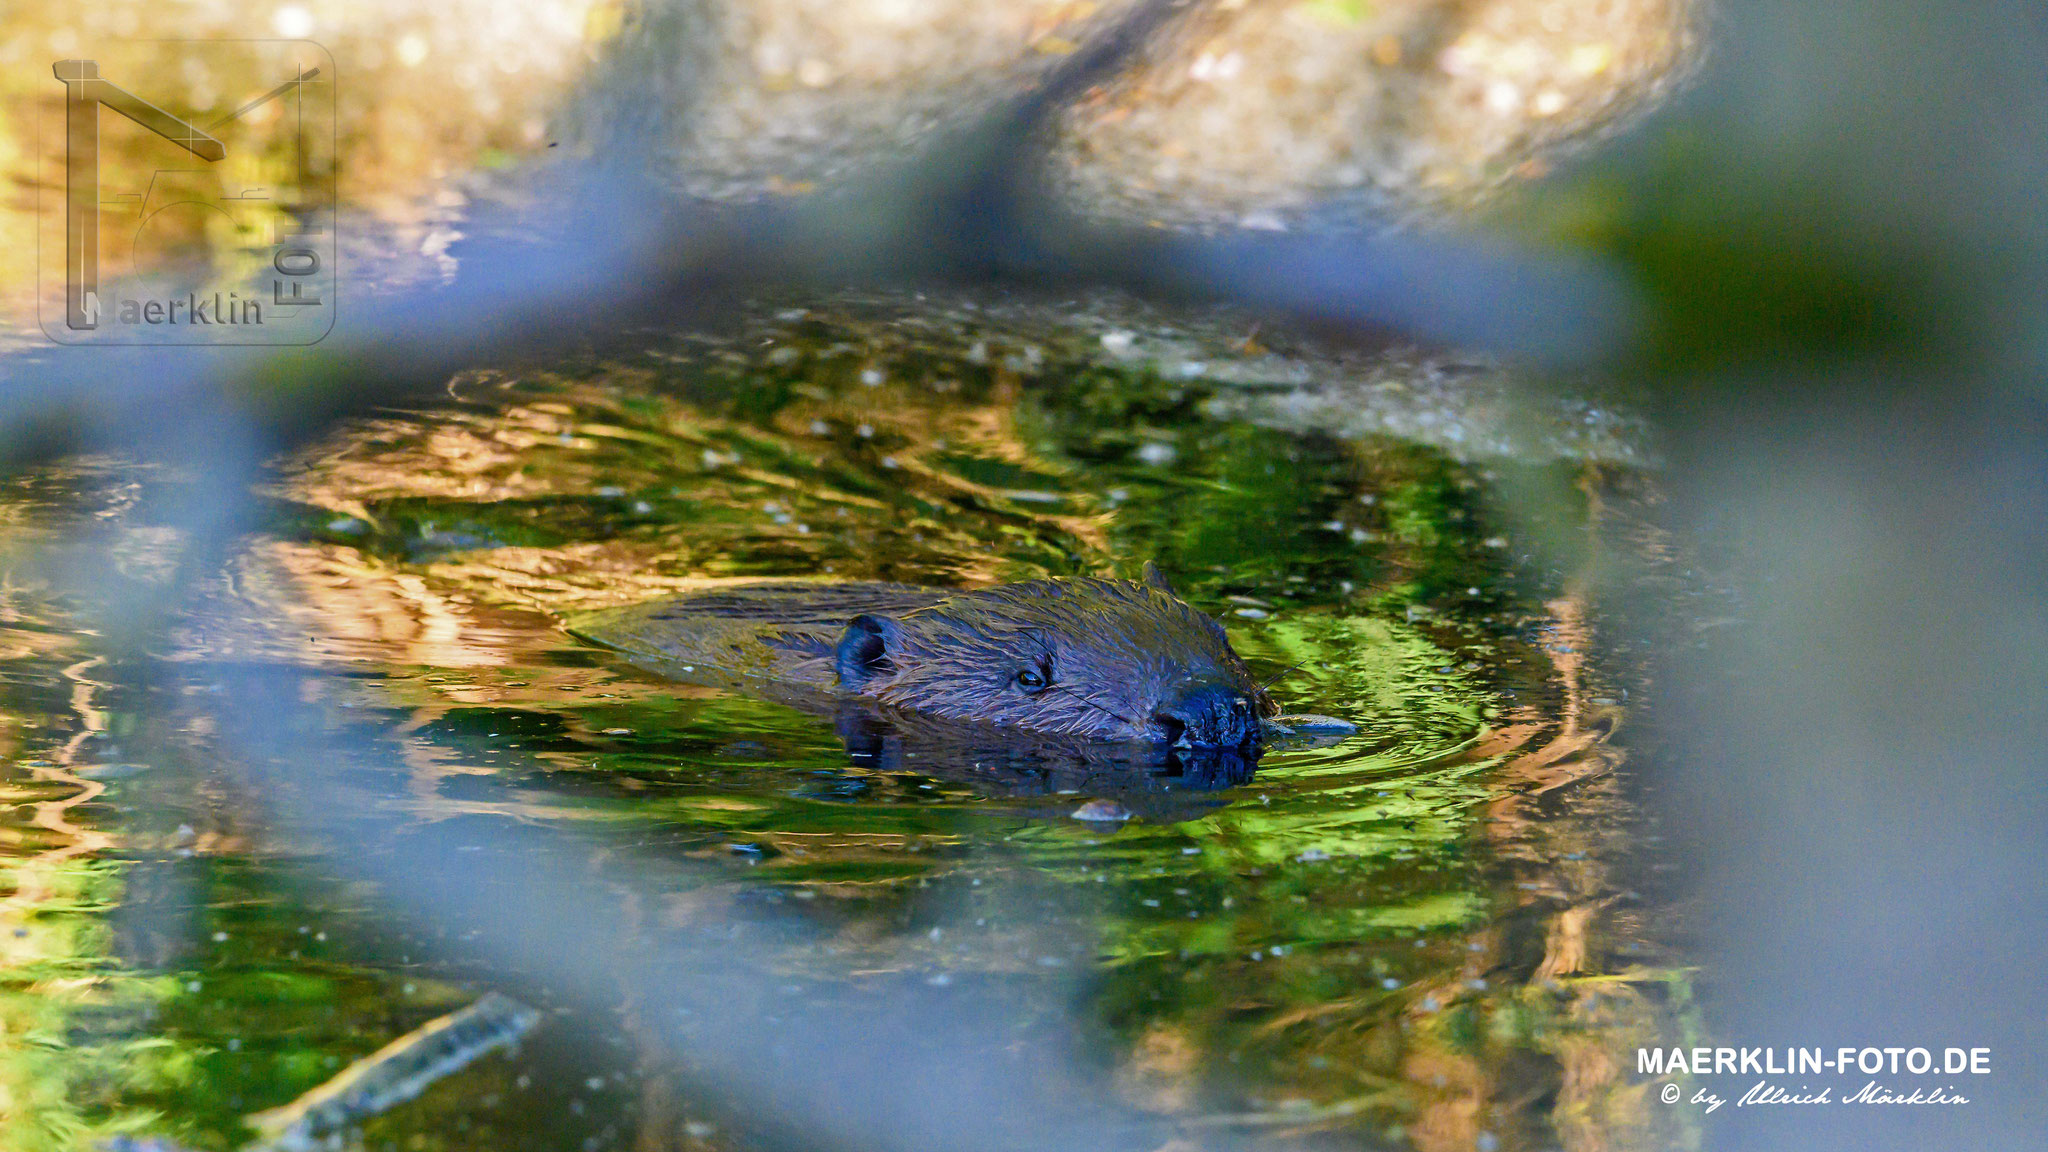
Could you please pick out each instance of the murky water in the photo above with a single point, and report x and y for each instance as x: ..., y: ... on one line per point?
x: 1425, y: 935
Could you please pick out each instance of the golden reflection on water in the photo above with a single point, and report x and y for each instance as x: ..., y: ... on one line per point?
x: 1422, y: 933
x: 1412, y: 1056
x: 1465, y: 854
x: 54, y: 962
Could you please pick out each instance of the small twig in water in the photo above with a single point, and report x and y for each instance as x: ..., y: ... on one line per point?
x: 394, y: 1073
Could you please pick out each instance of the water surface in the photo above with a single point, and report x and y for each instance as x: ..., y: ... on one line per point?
x: 1423, y: 936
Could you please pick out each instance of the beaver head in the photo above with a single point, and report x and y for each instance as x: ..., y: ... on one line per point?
x: 1115, y: 660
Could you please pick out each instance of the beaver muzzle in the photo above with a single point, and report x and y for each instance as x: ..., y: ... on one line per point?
x: 1208, y: 713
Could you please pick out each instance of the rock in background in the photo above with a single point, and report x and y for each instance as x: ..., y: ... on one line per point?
x: 1235, y: 113
x: 1257, y: 113
x: 1245, y: 113
x: 787, y: 96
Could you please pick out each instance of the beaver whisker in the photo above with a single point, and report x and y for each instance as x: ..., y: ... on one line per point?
x: 1092, y: 704
x: 1275, y: 678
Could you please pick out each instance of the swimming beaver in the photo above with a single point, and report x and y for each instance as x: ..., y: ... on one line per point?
x: 1097, y: 659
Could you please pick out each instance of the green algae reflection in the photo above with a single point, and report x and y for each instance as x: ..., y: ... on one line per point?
x: 1375, y: 938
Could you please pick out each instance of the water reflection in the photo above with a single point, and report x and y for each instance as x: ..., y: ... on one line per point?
x: 1426, y: 932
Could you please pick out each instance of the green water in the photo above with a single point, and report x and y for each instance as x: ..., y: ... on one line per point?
x: 1422, y: 936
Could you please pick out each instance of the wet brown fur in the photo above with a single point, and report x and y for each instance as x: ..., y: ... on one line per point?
x: 1114, y: 656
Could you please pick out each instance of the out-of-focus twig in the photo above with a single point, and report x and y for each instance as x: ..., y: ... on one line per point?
x: 395, y: 1073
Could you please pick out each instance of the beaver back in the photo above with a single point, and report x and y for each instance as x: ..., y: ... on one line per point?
x: 1100, y: 659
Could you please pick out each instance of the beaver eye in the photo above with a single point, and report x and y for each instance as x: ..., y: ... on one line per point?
x: 1031, y: 680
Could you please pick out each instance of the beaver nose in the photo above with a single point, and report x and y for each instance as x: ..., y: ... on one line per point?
x: 1207, y: 712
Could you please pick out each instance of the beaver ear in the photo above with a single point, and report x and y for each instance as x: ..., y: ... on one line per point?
x: 864, y: 649
x: 1157, y: 579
